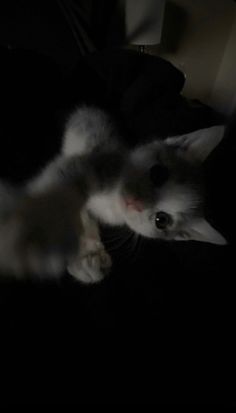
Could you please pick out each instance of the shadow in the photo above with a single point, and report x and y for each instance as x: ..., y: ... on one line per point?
x: 174, y: 27
x: 116, y: 33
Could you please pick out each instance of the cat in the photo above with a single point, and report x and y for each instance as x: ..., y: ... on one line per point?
x: 155, y: 189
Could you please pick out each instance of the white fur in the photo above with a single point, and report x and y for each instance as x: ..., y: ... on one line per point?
x: 92, y: 261
x: 145, y: 154
x: 86, y: 129
x: 175, y: 199
x: 107, y: 207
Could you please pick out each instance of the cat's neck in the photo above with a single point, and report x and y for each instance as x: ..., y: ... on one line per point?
x: 107, y: 206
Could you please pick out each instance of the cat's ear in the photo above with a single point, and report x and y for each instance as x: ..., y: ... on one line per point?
x: 201, y: 230
x: 199, y: 144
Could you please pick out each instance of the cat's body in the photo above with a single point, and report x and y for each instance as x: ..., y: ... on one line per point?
x: 154, y: 189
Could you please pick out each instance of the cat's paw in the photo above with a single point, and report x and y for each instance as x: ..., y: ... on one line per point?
x: 39, y: 236
x: 91, y: 267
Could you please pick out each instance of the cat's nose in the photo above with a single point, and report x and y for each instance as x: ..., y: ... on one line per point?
x: 159, y: 174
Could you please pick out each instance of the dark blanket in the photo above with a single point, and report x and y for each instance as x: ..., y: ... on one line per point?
x: 143, y: 94
x: 155, y: 288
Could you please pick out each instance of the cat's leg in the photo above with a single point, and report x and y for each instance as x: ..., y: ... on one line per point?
x: 92, y: 262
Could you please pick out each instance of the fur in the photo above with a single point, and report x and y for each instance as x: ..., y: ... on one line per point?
x: 102, y: 181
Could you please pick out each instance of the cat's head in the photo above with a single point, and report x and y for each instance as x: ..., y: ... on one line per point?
x: 163, y: 192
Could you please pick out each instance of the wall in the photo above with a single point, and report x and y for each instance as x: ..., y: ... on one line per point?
x: 199, y: 37
x: 223, y: 96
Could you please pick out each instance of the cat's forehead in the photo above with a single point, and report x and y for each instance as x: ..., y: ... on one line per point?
x: 175, y: 199
x: 156, y: 152
x: 145, y: 154
x: 159, y: 153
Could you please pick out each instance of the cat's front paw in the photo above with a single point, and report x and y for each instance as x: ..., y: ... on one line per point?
x: 91, y: 267
x: 40, y: 235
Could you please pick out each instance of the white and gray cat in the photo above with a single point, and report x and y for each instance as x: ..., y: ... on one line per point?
x: 155, y: 189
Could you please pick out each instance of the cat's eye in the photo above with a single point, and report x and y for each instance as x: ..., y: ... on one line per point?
x: 159, y: 174
x: 162, y: 220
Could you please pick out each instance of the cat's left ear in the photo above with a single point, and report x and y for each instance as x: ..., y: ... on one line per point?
x: 200, y: 230
x: 199, y: 144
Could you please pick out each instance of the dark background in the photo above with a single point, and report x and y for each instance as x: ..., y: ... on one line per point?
x: 55, y: 55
